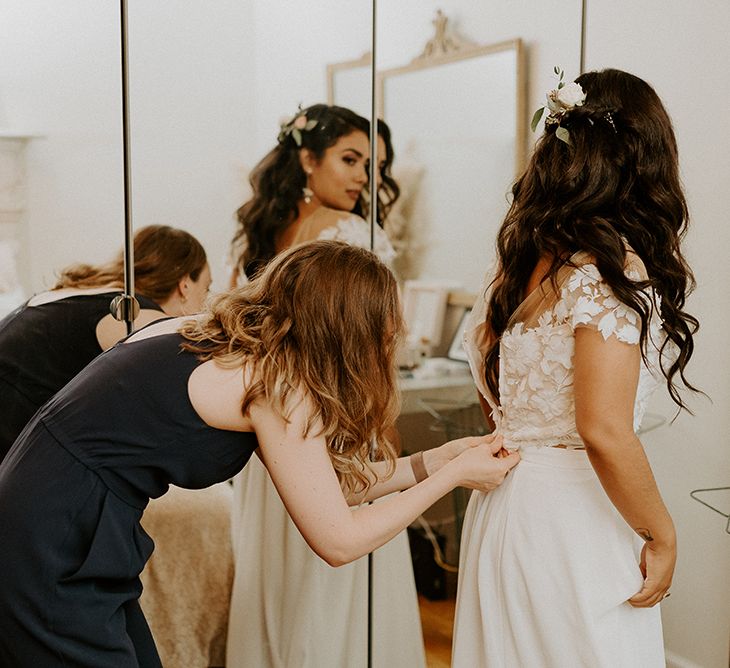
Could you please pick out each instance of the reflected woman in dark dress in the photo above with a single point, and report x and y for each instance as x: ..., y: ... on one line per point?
x: 45, y: 342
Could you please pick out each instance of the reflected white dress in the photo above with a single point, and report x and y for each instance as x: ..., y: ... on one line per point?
x: 289, y: 609
x: 546, y: 561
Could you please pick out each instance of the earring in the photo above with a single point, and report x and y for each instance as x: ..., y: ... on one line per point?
x: 307, y: 192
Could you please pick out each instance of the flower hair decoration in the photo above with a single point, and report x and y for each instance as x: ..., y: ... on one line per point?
x: 294, y: 126
x: 560, y: 100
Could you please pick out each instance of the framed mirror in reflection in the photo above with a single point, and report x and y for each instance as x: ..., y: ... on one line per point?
x: 457, y: 123
x: 456, y: 112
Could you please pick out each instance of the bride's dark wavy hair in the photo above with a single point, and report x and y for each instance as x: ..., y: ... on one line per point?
x: 616, y: 183
x: 277, y: 182
x: 388, y: 190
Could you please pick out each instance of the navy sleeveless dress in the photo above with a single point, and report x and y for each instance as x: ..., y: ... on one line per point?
x: 72, y: 491
x: 42, y: 348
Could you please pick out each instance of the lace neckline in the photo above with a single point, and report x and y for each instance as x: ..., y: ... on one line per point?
x: 567, y: 265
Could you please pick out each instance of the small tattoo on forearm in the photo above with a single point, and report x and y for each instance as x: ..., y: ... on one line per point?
x: 645, y: 534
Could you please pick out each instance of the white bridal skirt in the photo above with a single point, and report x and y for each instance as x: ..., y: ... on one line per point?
x: 289, y: 609
x: 546, y: 568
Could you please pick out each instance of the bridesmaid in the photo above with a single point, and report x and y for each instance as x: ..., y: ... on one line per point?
x: 272, y: 368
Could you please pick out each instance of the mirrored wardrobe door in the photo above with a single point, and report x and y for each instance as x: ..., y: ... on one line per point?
x: 61, y: 194
x: 209, y: 91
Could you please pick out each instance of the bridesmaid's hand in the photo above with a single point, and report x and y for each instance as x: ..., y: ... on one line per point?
x: 482, y: 467
x: 435, y: 458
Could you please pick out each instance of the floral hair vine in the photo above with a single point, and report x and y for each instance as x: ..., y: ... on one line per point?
x: 294, y: 126
x: 560, y: 100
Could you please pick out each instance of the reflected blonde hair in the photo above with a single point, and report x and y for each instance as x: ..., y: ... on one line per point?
x: 322, y: 321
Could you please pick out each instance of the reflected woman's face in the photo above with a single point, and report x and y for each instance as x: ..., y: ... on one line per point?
x: 198, y: 291
x: 339, y: 177
x: 381, y: 153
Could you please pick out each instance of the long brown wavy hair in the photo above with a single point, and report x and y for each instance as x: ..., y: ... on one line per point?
x: 616, y: 184
x: 277, y: 182
x: 322, y: 321
x: 163, y: 256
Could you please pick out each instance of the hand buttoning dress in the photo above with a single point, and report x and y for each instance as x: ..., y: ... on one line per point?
x: 547, y: 563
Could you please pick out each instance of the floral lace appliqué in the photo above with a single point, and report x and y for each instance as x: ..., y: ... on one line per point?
x: 356, y: 232
x: 536, y: 362
x: 596, y: 305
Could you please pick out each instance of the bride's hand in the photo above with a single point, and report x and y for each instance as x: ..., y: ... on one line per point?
x: 484, y: 466
x: 435, y: 458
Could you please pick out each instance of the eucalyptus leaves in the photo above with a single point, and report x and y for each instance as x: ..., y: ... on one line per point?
x: 294, y: 126
x: 560, y: 100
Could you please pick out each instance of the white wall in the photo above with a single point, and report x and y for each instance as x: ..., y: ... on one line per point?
x: 59, y: 72
x: 682, y: 49
x: 294, y: 43
x: 192, y: 110
x: 208, y: 91
x: 189, y: 101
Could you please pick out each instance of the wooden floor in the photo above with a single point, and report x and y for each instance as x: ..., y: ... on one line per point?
x: 437, y: 620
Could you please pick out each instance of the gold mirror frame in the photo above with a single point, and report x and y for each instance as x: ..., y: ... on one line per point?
x: 442, y: 50
x: 333, y: 68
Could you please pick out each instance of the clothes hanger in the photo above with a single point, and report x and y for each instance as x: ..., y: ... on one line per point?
x: 694, y: 494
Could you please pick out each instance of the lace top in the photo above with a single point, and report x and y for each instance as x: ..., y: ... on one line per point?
x: 537, y: 406
x: 326, y: 223
x: 355, y: 231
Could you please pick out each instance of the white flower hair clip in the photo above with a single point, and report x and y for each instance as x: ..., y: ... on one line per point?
x: 560, y: 100
x: 294, y: 126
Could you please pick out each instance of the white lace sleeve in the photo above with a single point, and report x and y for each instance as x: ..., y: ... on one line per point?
x: 592, y: 303
x: 356, y: 232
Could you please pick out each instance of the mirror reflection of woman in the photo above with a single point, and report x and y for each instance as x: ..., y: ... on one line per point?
x: 273, y: 368
x: 45, y: 342
x: 565, y: 564
x: 310, y: 186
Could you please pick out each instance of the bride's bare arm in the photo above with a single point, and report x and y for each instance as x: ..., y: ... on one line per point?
x: 605, y: 382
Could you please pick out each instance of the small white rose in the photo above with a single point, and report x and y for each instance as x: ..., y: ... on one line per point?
x: 571, y: 95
